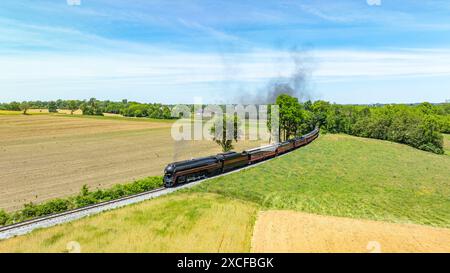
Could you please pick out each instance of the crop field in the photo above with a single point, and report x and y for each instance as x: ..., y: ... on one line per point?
x: 284, y: 231
x: 29, y: 111
x: 175, y: 223
x: 65, y: 111
x: 37, y: 111
x: 50, y: 156
x: 7, y: 112
x: 404, y: 189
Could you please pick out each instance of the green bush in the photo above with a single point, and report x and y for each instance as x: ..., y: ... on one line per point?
x: 444, y: 124
x: 54, y: 206
x: 4, y: 218
x: 82, y: 201
x: 29, y: 210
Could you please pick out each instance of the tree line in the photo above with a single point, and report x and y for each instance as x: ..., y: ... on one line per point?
x: 417, y: 125
x: 95, y: 107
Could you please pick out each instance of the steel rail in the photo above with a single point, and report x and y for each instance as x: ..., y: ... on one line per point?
x: 68, y: 212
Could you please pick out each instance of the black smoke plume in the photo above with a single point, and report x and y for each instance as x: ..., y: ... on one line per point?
x: 296, y: 85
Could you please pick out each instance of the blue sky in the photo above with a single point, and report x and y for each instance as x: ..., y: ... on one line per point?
x: 355, y: 51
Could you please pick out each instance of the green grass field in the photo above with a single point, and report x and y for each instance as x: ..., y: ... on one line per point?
x: 447, y: 144
x: 335, y: 175
x: 7, y: 112
x: 348, y: 176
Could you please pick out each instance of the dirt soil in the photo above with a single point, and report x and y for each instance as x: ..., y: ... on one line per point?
x: 289, y: 231
x: 49, y: 156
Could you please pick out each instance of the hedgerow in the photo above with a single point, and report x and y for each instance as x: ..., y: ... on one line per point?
x: 84, y: 198
x: 4, y: 217
x: 419, y: 126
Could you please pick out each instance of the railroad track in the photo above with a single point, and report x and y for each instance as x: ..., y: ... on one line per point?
x: 71, y: 215
x: 67, y: 216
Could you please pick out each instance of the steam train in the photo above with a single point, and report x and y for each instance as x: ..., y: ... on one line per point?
x: 190, y: 170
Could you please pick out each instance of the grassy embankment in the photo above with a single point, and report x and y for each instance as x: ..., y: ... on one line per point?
x: 446, y: 144
x: 336, y: 175
x: 348, y: 176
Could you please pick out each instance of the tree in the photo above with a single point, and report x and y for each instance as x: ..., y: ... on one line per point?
x: 24, y: 106
x: 72, y: 105
x: 430, y: 138
x: 427, y: 108
x: 444, y: 124
x: 92, y: 107
x: 14, y: 106
x: 52, y: 107
x: 320, y: 110
x: 166, y: 112
x: 307, y: 105
x: 290, y: 115
x: 229, y: 133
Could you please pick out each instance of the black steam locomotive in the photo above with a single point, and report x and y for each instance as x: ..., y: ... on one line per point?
x: 198, y: 168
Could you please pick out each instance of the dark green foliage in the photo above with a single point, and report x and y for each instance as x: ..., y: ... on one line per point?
x: 92, y: 107
x: 290, y: 115
x: 84, y: 198
x: 4, y: 218
x: 87, y: 197
x: 52, y: 107
x: 31, y: 210
x: 24, y: 106
x: 14, y: 106
x: 155, y: 110
x: 82, y: 201
x: 73, y: 106
x: 402, y: 124
x: 444, y: 123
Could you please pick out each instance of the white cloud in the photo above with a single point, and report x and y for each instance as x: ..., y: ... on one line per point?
x: 374, y: 2
x: 179, y: 72
x: 341, y: 63
x: 190, y: 67
x: 220, y: 35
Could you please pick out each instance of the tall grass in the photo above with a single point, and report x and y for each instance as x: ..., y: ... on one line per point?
x: 174, y: 223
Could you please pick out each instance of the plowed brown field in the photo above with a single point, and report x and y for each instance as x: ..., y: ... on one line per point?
x: 49, y: 156
x: 289, y: 231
